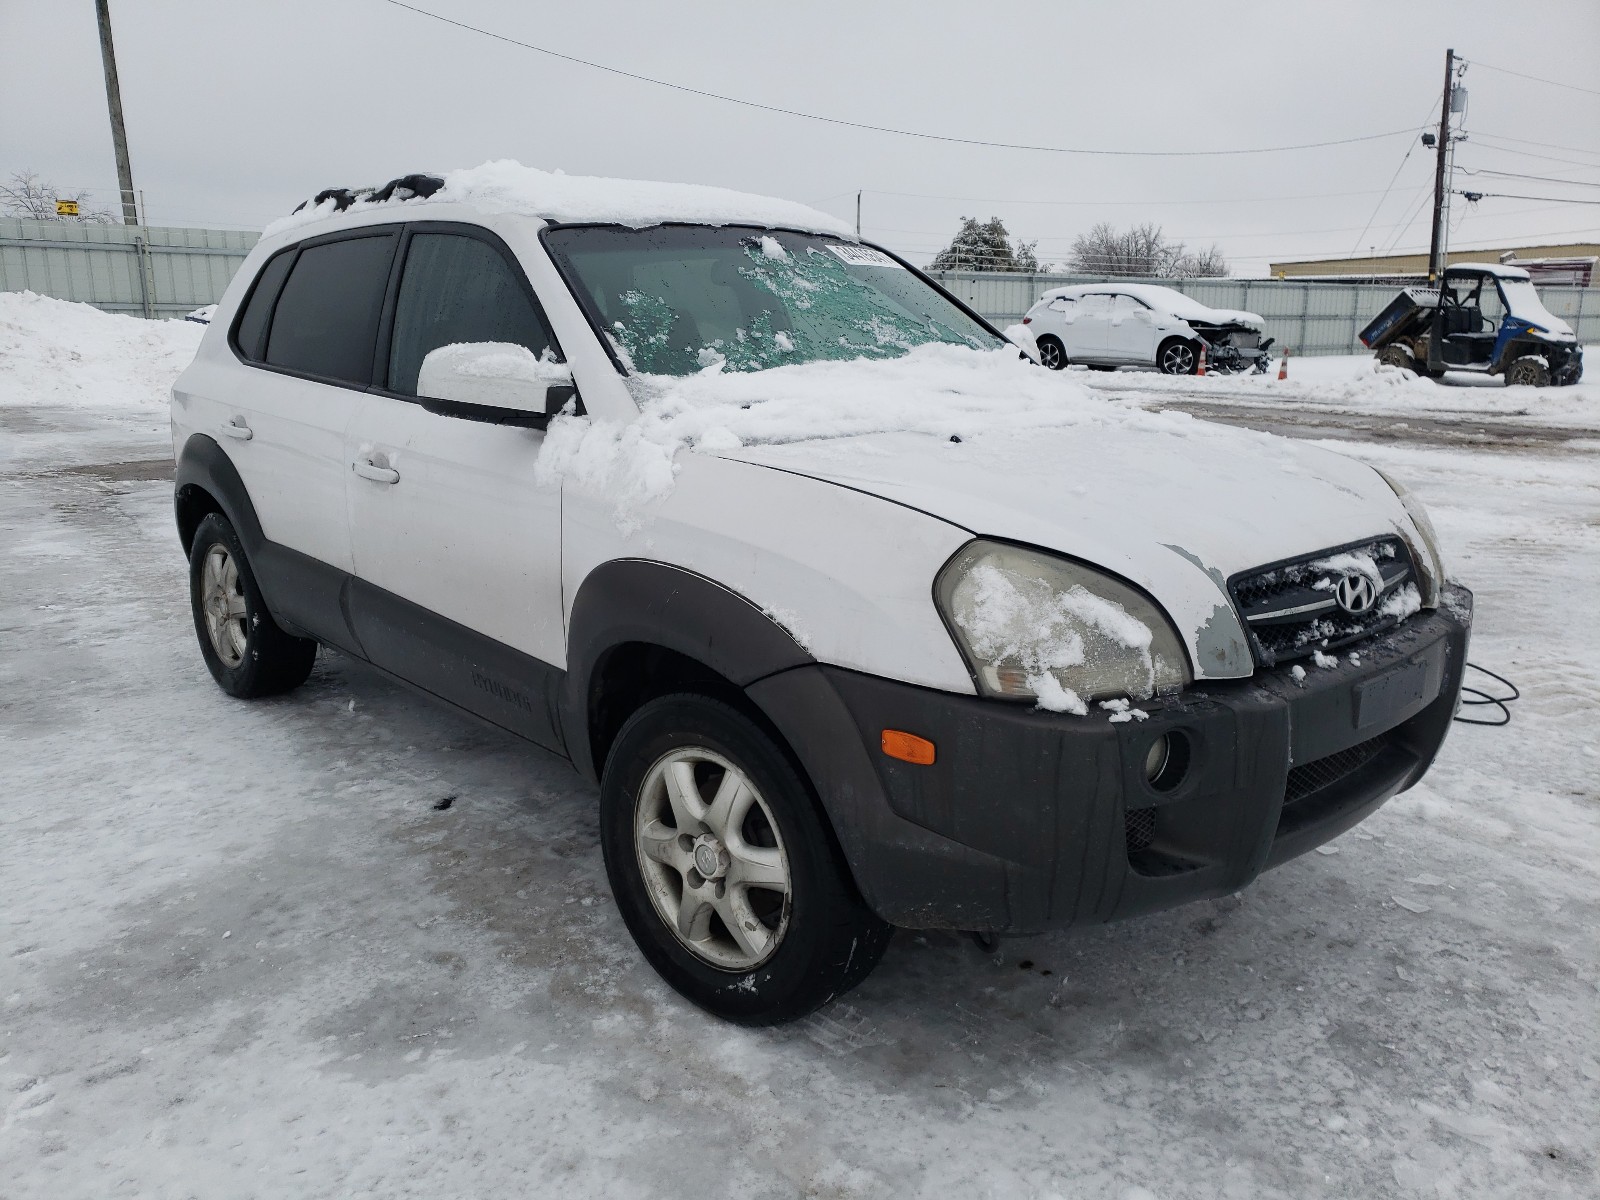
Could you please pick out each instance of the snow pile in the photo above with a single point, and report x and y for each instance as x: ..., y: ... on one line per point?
x: 506, y: 186
x: 55, y: 352
x: 950, y: 392
x: 1357, y: 383
x: 1012, y: 617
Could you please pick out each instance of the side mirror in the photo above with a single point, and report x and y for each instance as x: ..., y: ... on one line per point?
x: 497, y: 382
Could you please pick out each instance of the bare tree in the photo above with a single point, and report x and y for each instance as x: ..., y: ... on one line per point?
x: 26, y: 195
x: 1141, y: 251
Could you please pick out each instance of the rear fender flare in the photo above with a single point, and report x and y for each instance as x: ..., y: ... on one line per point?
x: 205, y: 466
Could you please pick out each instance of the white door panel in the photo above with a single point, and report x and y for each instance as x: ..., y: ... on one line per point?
x: 293, y: 461
x: 1088, y: 327
x: 1130, y: 331
x: 446, y: 515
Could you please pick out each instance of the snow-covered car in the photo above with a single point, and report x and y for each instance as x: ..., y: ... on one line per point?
x: 857, y: 617
x: 1105, y: 325
x: 202, y: 315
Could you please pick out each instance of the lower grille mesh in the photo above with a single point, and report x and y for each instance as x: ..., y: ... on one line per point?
x: 1140, y: 827
x: 1322, y: 772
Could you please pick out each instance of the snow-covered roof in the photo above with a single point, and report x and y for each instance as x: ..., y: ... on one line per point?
x: 506, y: 186
x: 1498, y: 269
x: 1164, y: 299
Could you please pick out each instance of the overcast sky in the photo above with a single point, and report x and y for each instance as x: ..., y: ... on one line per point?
x: 237, y: 110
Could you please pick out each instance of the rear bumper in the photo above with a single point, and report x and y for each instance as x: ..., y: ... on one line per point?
x: 1029, y: 821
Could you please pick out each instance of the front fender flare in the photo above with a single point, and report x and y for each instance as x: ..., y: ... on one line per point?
x: 643, y: 601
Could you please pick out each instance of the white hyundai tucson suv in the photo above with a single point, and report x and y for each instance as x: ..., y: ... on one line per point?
x: 857, y: 618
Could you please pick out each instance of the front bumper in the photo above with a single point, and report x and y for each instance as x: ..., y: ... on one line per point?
x: 1029, y: 821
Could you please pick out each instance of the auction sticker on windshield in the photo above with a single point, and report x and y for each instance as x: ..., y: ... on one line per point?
x: 863, y: 256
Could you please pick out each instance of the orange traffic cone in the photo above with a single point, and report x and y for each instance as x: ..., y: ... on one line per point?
x: 1283, y: 364
x: 1200, y: 367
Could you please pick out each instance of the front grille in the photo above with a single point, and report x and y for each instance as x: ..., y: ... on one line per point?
x: 1324, y: 772
x: 1292, y: 609
x: 1139, y: 826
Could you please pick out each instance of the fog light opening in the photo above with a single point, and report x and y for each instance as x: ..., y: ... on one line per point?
x: 1166, y: 762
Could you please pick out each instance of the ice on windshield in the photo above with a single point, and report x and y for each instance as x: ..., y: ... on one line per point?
x: 682, y: 300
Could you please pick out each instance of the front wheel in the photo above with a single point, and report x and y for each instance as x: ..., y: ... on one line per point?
x: 723, y: 868
x: 1052, y: 353
x: 1176, y: 357
x: 1528, y: 371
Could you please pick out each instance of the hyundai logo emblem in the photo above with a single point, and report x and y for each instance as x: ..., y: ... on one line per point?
x: 1356, y: 594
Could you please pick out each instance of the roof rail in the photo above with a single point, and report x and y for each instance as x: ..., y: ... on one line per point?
x: 406, y: 187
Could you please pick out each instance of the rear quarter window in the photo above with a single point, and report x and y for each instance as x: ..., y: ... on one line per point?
x: 326, y: 320
x: 250, y: 334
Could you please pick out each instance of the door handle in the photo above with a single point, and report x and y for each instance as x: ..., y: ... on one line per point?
x: 368, y: 469
x: 234, y: 429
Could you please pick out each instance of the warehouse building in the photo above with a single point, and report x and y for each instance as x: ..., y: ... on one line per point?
x: 1569, y: 263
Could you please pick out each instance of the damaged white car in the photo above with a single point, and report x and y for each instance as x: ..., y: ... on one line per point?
x: 1106, y: 326
x: 856, y: 618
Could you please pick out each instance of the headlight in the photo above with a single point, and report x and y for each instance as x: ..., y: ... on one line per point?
x: 1430, y: 563
x: 1036, y: 627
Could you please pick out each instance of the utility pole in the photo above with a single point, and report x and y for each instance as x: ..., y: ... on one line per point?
x: 858, y: 214
x: 119, y: 135
x: 1435, y: 266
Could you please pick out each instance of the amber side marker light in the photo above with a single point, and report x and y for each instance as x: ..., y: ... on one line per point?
x: 908, y: 747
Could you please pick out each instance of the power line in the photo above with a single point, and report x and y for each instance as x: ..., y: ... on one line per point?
x: 933, y: 137
x: 1520, y: 175
x: 1518, y: 196
x: 1535, y: 78
x: 1501, y: 137
x: 1377, y: 208
x: 1108, y: 203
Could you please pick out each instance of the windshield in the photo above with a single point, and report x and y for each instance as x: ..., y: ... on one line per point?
x: 1524, y: 302
x: 680, y: 299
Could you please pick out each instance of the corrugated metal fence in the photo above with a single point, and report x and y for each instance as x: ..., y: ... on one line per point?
x: 1307, y: 318
x: 157, y: 271
x: 150, y: 271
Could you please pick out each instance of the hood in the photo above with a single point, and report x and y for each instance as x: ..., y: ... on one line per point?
x: 1223, y: 316
x: 1177, y: 511
x: 992, y: 444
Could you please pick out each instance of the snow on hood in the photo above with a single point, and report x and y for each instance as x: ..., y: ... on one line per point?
x: 1168, y: 300
x: 988, y: 442
x: 506, y: 186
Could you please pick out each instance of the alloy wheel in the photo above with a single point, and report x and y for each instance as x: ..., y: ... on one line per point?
x: 1178, y: 359
x: 222, y: 601
x: 712, y: 859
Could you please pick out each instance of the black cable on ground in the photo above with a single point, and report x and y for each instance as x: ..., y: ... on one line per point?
x: 1472, y: 697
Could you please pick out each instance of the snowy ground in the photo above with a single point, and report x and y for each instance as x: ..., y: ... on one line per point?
x: 243, y: 953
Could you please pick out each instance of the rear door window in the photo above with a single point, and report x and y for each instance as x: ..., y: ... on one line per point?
x: 457, y: 288
x: 326, y: 320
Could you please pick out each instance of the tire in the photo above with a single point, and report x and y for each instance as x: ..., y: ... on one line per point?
x: 1399, y: 356
x: 1052, y: 353
x: 1176, y: 356
x: 808, y: 935
x: 1528, y: 371
x: 244, y: 648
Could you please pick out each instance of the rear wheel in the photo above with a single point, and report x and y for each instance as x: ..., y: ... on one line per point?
x: 1528, y: 371
x: 723, y: 868
x: 1398, y: 356
x: 245, y: 650
x: 1052, y: 353
x: 1176, y: 356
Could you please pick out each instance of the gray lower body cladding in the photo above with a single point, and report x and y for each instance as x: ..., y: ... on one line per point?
x: 1030, y: 821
